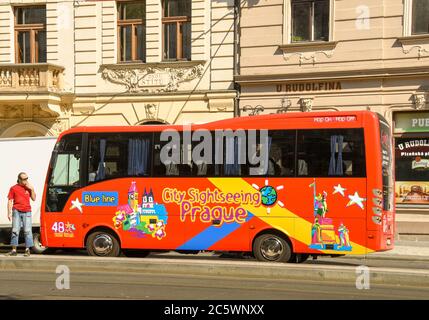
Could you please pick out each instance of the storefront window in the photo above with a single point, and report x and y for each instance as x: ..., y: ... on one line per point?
x: 412, y: 170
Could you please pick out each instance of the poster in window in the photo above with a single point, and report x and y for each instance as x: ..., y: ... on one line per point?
x: 412, y: 192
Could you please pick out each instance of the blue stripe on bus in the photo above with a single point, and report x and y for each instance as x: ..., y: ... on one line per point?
x: 210, y: 236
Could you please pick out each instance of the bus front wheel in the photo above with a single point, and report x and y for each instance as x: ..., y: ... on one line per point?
x: 272, y: 248
x: 102, y: 244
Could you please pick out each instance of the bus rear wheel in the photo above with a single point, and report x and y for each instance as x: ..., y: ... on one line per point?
x: 103, y: 244
x: 272, y: 248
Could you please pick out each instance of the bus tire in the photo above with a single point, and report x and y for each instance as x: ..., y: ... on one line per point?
x: 292, y: 258
x: 301, y: 257
x: 37, y: 245
x: 271, y: 247
x: 103, y: 244
x: 135, y: 253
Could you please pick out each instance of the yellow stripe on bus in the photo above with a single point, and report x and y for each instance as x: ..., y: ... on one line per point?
x: 279, y: 218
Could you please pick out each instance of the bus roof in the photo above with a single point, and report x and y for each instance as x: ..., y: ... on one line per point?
x: 247, y: 122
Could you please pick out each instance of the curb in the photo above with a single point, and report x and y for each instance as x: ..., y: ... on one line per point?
x: 261, y: 270
x: 375, y: 256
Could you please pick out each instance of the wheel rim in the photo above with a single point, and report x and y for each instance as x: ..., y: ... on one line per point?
x: 272, y: 248
x: 103, y: 244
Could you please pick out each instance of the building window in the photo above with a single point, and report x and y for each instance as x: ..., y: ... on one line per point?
x: 132, y: 31
x: 310, y: 20
x: 30, y: 34
x: 176, y: 22
x: 420, y: 17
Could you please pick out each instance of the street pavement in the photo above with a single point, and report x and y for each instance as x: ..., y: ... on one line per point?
x: 213, y: 276
x: 33, y: 284
x: 402, y: 273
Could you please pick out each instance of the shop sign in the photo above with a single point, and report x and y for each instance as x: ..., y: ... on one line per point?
x: 411, y: 122
x: 309, y: 86
x: 412, y: 148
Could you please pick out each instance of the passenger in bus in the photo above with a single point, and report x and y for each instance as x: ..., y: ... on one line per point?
x: 92, y: 173
x: 171, y: 169
x: 277, y: 165
x: 185, y: 170
x: 302, y: 168
x: 201, y: 169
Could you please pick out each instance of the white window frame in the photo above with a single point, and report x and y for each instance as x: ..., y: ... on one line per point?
x: 287, y: 22
x: 408, y: 19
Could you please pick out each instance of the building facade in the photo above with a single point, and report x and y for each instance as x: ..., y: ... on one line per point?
x: 312, y: 55
x: 103, y: 62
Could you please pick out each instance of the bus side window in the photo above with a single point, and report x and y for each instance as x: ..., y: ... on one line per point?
x: 167, y: 167
x: 331, y: 152
x: 119, y: 155
x: 281, y: 155
x: 282, y: 152
x: 203, y: 154
x: 107, y: 157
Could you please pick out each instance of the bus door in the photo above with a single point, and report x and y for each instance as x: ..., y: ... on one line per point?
x: 63, y: 208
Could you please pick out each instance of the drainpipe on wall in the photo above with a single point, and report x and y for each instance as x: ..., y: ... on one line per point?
x: 237, y: 87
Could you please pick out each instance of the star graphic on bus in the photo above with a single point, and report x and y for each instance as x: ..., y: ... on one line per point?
x: 69, y: 227
x: 269, y: 196
x: 356, y: 199
x: 339, y: 189
x: 76, y: 204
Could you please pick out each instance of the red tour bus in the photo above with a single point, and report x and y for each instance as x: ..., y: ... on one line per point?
x: 326, y: 188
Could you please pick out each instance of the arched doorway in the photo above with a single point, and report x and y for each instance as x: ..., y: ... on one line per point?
x: 26, y: 129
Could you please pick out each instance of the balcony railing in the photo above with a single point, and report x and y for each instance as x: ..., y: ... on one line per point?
x: 31, y: 77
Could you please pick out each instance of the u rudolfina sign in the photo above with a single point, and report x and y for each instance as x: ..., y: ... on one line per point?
x: 310, y: 86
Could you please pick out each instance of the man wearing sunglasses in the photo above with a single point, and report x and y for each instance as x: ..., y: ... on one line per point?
x: 19, y: 211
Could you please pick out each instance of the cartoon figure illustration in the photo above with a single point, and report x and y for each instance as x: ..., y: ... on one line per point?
x: 321, y: 205
x: 133, y: 197
x: 315, y: 232
x: 344, y: 236
x: 149, y: 218
x: 323, y: 235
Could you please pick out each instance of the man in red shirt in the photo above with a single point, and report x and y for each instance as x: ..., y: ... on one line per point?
x: 19, y: 211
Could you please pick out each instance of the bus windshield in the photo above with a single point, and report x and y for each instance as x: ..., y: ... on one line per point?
x: 65, y: 172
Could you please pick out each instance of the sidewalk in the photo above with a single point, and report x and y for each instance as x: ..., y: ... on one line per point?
x: 216, y: 268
